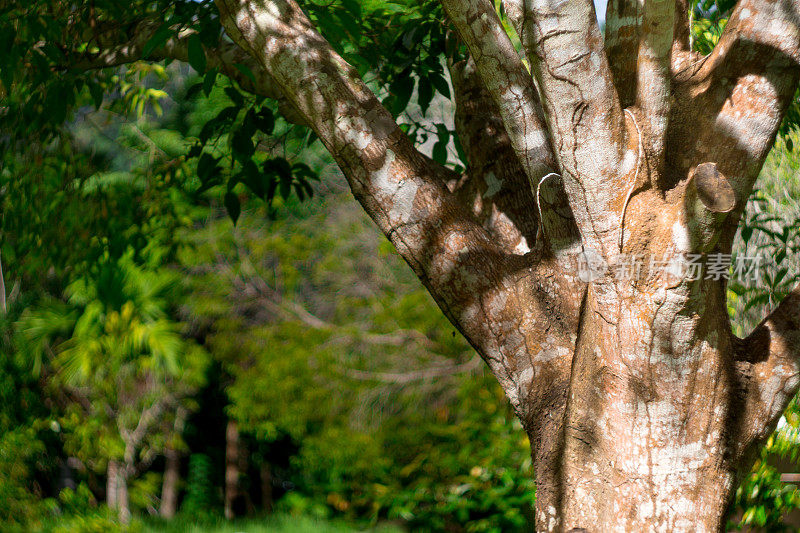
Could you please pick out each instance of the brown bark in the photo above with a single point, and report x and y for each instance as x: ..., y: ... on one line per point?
x: 232, y: 473
x: 237, y: 500
x: 640, y: 409
x: 123, y: 501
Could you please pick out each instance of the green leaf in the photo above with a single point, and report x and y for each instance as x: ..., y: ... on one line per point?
x: 253, y: 179
x: 440, y: 84
x: 402, y: 88
x: 232, y: 205
x: 160, y: 37
x: 264, y: 120
x: 193, y: 90
x: 97, y: 94
x: 197, y: 56
x: 244, y: 69
x: 440, y: 148
x: 459, y: 149
x: 747, y: 232
x: 235, y: 96
x: 206, y: 167
x: 285, y: 187
x: 424, y: 94
x: 440, y: 152
x: 209, y: 80
x: 242, y: 144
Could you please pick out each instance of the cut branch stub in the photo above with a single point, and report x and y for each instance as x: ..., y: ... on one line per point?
x: 713, y: 188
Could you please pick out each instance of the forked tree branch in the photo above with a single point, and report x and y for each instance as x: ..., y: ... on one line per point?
x: 495, y: 184
x: 507, y: 81
x: 586, y: 122
x: 472, y: 279
x: 733, y: 101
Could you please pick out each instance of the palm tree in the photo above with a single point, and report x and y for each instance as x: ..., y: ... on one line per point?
x: 114, y: 347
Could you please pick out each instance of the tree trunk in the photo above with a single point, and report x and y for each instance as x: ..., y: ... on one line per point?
x: 111, y: 484
x: 122, y: 494
x: 169, y: 487
x: 266, y: 487
x: 643, y: 409
x: 646, y: 444
x: 232, y: 473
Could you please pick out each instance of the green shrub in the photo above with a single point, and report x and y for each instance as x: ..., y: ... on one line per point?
x: 202, y: 499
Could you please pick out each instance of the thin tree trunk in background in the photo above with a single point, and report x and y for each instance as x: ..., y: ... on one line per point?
x: 266, y: 487
x: 232, y: 472
x: 122, y: 494
x: 111, y: 485
x: 169, y: 488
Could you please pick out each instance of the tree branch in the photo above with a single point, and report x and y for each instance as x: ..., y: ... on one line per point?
x: 507, y: 81
x: 623, y: 18
x: 654, y: 76
x: 772, y: 375
x: 622, y: 32
x: 495, y: 185
x: 734, y: 100
x: 114, y: 51
x: 3, y: 308
x: 587, y: 126
x: 433, y: 372
x: 474, y: 282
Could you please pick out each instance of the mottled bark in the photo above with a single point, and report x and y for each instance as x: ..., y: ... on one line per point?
x: 642, y: 407
x: 507, y: 82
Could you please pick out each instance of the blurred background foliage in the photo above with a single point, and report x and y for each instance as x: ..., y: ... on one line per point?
x: 200, y: 321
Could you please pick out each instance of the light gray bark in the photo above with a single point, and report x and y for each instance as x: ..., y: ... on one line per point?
x: 111, y: 485
x: 169, y: 486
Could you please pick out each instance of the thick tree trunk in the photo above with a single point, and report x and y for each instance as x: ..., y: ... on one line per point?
x: 642, y: 407
x: 169, y: 487
x: 652, y: 404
